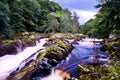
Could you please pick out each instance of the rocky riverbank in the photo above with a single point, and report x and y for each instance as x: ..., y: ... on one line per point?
x: 55, y: 51
x: 57, y: 48
x: 107, y: 71
x: 112, y: 47
x: 18, y: 42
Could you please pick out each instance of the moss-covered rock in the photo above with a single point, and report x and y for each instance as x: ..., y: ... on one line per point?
x: 59, y: 51
x: 14, y: 46
x: 23, y: 73
x: 67, y: 36
x: 42, y: 69
x: 106, y: 46
x: 107, y: 71
x: 10, y: 48
x: 112, y: 47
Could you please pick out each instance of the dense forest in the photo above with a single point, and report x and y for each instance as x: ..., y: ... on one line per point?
x: 45, y: 16
x: 107, y: 20
x: 35, y: 15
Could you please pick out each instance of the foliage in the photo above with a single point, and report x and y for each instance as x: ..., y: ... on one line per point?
x: 33, y: 15
x: 108, y: 71
x: 106, y: 21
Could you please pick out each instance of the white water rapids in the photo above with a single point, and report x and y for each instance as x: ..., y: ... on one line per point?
x: 9, y: 63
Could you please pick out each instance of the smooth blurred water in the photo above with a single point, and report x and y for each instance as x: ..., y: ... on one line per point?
x: 82, y: 53
x: 9, y: 63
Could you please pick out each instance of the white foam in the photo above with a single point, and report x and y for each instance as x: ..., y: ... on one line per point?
x: 9, y: 63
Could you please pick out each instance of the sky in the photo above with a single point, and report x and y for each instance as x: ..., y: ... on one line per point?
x: 84, y: 8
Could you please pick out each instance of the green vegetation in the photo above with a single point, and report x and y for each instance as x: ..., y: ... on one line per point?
x: 58, y: 51
x: 108, y: 71
x: 106, y: 21
x: 43, y: 16
x: 7, y: 41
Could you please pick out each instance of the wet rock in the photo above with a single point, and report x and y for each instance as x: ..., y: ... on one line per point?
x: 59, y: 51
x: 11, y: 48
x: 106, y: 46
x: 15, y: 47
x: 53, y: 62
x: 23, y: 73
x: 113, y: 36
x: 43, y: 69
x: 112, y: 47
x: 51, y: 42
x: 97, y: 72
x: 54, y: 53
x: 83, y: 69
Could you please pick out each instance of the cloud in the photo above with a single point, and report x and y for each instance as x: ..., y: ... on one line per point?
x: 84, y: 15
x: 84, y: 8
x: 78, y: 4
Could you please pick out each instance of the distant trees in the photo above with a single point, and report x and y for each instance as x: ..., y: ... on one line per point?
x: 34, y: 15
x: 53, y: 23
x: 65, y: 20
x: 76, y: 25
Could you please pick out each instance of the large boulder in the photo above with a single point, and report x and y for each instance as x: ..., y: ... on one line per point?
x: 10, y: 48
x: 15, y: 46
x: 58, y: 51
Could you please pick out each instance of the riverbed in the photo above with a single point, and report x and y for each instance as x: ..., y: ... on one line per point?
x: 82, y: 52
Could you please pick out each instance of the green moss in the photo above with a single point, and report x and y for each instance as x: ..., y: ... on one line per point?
x: 59, y: 51
x: 8, y: 41
x: 106, y: 46
x: 54, y: 53
x: 61, y: 44
x: 116, y: 44
x: 40, y: 56
x: 66, y: 36
x: 108, y: 71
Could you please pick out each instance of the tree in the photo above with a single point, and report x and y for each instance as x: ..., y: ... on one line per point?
x: 53, y: 24
x: 64, y: 18
x: 110, y: 12
x: 5, y: 27
x: 75, y: 23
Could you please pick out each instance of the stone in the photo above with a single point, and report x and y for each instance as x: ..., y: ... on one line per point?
x: 23, y: 73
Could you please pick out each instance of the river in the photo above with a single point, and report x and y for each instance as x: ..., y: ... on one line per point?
x: 82, y: 53
x: 9, y: 63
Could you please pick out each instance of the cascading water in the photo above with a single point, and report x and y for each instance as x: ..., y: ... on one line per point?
x: 80, y: 54
x: 9, y: 63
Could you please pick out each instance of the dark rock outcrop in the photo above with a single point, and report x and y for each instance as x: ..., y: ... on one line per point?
x: 15, y: 47
x: 23, y: 73
x: 44, y: 62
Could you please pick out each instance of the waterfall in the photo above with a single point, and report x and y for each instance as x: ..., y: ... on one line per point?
x: 9, y: 63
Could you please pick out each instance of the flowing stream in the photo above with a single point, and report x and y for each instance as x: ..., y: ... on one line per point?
x: 82, y: 53
x: 9, y: 63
